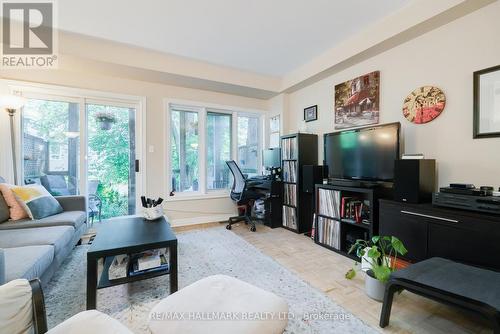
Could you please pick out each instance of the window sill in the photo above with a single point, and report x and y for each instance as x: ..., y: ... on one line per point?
x: 197, y: 197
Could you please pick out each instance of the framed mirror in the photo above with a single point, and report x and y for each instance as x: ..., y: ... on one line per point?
x: 487, y: 103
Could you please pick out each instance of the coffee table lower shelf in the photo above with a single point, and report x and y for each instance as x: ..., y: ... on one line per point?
x: 105, y: 282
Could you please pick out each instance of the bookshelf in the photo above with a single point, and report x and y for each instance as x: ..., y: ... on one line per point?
x: 297, y: 150
x: 345, y: 214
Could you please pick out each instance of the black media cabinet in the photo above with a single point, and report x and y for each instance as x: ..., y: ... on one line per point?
x: 430, y: 231
x: 347, y: 230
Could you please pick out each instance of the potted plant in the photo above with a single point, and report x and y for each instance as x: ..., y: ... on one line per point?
x: 381, y: 253
x: 106, y: 119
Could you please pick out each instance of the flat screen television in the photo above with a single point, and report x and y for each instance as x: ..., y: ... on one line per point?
x: 363, y: 154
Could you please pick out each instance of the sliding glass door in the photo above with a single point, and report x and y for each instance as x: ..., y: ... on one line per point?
x: 50, y: 145
x: 81, y: 146
x: 111, y: 158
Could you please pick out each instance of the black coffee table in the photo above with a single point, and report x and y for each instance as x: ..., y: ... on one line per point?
x: 128, y: 235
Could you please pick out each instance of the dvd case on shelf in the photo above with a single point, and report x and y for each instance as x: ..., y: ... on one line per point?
x: 328, y: 231
x: 290, y: 194
x: 329, y: 203
x: 289, y: 217
x: 289, y: 148
x: 290, y: 171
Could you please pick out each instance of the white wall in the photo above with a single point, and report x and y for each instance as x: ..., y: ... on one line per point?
x: 445, y: 57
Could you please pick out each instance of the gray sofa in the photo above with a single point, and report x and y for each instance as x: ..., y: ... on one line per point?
x: 36, y: 248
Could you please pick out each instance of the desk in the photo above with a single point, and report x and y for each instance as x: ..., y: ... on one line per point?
x: 273, y: 200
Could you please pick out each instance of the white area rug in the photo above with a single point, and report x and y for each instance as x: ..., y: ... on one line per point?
x: 201, y: 254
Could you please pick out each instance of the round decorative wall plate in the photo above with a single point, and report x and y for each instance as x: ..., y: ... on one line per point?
x: 424, y: 104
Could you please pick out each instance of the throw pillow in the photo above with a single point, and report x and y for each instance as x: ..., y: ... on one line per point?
x: 16, y: 211
x: 37, y: 201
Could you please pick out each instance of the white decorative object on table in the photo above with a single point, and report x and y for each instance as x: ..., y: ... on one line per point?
x: 153, y: 213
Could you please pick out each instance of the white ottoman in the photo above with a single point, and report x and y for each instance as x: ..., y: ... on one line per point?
x: 220, y: 305
x: 91, y: 321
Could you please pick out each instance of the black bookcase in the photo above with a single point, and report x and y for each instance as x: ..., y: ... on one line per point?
x: 297, y: 150
x: 338, y: 229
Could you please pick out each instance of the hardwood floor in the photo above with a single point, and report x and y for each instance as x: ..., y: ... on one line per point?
x: 325, y: 271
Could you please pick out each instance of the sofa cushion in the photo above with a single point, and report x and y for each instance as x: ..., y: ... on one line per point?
x: 4, y: 209
x: 57, y: 236
x: 27, y: 262
x: 16, y: 211
x: 16, y: 309
x: 68, y: 218
x: 37, y: 201
x: 220, y: 294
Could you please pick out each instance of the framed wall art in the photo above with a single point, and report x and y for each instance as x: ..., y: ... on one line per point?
x: 487, y: 103
x: 311, y: 113
x: 357, y: 101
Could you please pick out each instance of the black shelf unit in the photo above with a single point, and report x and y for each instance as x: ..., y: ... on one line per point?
x: 305, y: 150
x: 346, y: 226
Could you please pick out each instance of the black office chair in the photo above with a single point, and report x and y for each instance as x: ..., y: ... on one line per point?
x: 243, y: 195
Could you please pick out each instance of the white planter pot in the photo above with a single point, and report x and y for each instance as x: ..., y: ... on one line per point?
x: 374, y: 288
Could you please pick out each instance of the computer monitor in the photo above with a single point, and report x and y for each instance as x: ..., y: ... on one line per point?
x: 271, y: 158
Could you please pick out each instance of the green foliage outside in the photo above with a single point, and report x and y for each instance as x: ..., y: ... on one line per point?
x: 108, y: 150
x: 184, y: 128
x: 109, y: 159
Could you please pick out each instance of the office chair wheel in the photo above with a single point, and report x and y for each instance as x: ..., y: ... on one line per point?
x: 228, y: 227
x: 253, y: 229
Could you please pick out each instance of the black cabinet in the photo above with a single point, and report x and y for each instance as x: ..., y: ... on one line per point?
x: 273, y: 204
x: 429, y: 231
x: 411, y: 230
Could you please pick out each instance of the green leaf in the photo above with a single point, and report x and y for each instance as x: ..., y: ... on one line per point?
x: 398, y: 246
x: 375, y: 239
x: 350, y: 274
x: 382, y: 273
x: 374, y: 253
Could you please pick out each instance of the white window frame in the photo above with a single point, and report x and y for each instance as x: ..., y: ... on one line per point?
x: 82, y: 97
x: 273, y: 132
x: 202, y: 109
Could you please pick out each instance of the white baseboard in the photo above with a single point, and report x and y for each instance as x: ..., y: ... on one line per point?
x: 200, y: 220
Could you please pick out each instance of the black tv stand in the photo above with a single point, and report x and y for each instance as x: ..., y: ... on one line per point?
x: 354, y: 183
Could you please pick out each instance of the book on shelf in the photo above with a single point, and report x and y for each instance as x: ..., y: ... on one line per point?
x: 289, y: 148
x: 289, y: 217
x: 149, y: 261
x: 118, y: 267
x: 328, y: 231
x: 290, y: 171
x: 290, y: 194
x: 355, y: 210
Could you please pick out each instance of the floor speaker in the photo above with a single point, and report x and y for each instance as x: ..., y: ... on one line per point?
x: 414, y: 180
x: 311, y: 175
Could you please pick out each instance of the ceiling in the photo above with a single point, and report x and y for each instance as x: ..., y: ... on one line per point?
x: 271, y: 37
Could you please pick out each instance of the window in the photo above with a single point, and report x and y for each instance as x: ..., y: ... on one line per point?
x: 274, y: 131
x: 248, y: 144
x: 202, y: 139
x: 184, y: 150
x: 218, y: 150
x: 51, y: 146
